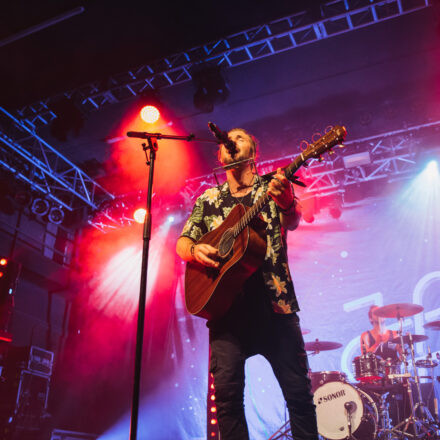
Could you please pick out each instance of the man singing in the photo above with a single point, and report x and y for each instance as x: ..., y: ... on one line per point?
x: 263, y: 319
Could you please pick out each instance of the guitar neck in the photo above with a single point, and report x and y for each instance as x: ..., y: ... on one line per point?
x: 250, y: 214
x: 290, y: 170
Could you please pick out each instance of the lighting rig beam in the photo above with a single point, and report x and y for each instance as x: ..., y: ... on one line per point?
x: 337, y: 17
x: 392, y: 156
x: 32, y: 160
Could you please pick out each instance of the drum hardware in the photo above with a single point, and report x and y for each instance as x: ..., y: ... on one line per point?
x: 434, y: 325
x: 399, y: 376
x: 415, y: 339
x: 317, y: 346
x: 349, y: 409
x: 318, y: 378
x: 345, y: 411
x: 398, y: 310
x: 368, y: 368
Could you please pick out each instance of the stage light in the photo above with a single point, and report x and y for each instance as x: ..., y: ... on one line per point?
x: 56, y: 215
x: 211, y: 87
x: 170, y: 219
x: 308, y: 217
x: 432, y: 168
x: 334, y: 212
x: 139, y: 215
x: 150, y: 114
x: 3, y: 262
x: 40, y: 207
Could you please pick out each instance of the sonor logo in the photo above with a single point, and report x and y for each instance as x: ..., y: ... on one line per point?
x: 331, y: 396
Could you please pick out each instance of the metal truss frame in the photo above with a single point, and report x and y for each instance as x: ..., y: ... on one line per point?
x: 32, y: 160
x: 336, y: 17
x: 393, y: 156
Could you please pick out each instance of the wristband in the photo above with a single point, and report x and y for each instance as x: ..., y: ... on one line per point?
x: 290, y: 208
x: 191, y: 250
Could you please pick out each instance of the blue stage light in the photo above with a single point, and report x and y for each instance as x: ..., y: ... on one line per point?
x: 432, y: 168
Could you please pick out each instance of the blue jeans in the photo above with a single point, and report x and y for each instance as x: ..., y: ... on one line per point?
x: 252, y: 328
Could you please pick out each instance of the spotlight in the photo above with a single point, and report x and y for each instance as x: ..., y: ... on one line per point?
x: 432, y: 168
x: 139, y: 215
x: 40, y: 207
x: 308, y: 217
x: 335, y: 212
x: 150, y: 114
x: 56, y: 215
x: 170, y: 219
x: 3, y: 261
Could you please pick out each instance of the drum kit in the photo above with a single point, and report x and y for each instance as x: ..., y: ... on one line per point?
x: 386, y: 402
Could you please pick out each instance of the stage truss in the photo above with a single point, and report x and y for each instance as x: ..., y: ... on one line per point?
x: 32, y: 160
x: 335, y: 17
x: 393, y: 155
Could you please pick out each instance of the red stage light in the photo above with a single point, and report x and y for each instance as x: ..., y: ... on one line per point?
x: 139, y: 215
x: 213, y: 397
x: 213, y: 421
x: 1, y: 274
x: 150, y: 114
x: 213, y: 409
x: 3, y: 262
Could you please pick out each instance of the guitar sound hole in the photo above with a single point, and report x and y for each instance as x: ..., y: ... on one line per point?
x: 226, y: 243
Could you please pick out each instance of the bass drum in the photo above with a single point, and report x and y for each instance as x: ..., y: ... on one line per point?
x: 331, y: 413
x: 318, y: 378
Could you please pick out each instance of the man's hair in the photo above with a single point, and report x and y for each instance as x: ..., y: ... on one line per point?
x: 370, y: 312
x: 254, y: 141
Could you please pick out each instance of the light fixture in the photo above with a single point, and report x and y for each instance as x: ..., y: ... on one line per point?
x: 211, y: 87
x: 56, y: 215
x: 40, y: 206
x: 150, y: 114
x: 139, y: 215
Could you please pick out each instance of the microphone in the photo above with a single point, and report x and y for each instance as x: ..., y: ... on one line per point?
x: 350, y: 406
x: 138, y: 134
x: 223, y: 138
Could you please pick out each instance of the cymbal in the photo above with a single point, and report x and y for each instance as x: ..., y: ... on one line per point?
x: 321, y: 345
x: 433, y: 325
x: 426, y: 363
x: 398, y: 310
x: 305, y: 331
x: 415, y: 339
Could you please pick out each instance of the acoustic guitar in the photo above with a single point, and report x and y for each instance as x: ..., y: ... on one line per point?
x: 241, y: 242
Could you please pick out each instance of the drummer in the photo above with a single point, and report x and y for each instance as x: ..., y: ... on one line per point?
x: 378, y: 339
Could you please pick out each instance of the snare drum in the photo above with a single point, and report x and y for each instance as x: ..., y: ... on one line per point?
x: 368, y: 368
x: 331, y: 414
x: 319, y: 378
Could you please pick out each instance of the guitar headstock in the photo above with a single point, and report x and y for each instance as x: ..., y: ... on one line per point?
x: 333, y: 137
x: 329, y: 140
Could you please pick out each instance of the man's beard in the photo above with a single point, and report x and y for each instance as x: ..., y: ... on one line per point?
x: 228, y: 159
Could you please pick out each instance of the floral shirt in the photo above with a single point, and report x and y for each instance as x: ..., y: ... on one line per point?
x: 214, y: 205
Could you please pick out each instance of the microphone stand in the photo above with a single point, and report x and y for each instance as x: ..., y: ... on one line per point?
x: 150, y: 149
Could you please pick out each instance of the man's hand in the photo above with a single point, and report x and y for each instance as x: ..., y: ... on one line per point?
x: 281, y: 191
x: 203, y: 253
